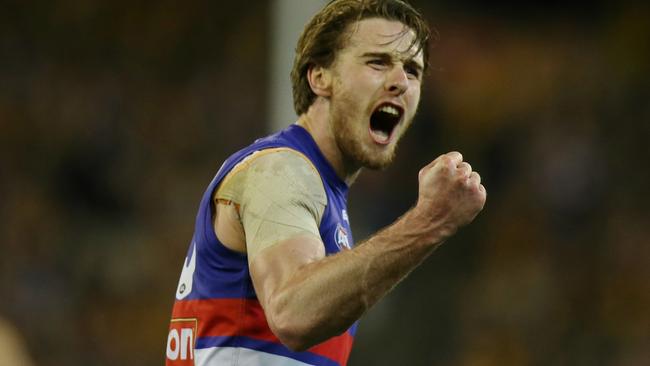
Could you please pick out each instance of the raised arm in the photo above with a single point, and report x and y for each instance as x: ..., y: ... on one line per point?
x: 308, y: 298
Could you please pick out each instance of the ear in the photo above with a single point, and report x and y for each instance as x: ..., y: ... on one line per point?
x: 320, y: 81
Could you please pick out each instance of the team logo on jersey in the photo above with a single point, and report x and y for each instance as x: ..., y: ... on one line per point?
x: 187, y: 275
x: 341, y: 237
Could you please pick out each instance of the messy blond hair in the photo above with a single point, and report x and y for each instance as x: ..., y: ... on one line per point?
x: 323, y: 37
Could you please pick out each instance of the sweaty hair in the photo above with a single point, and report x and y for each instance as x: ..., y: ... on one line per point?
x: 325, y: 35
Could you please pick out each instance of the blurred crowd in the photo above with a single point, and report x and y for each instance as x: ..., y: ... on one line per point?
x: 115, y: 115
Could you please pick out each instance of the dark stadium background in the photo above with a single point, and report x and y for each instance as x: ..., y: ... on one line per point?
x: 114, y: 115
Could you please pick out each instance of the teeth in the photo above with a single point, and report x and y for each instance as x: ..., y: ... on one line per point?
x: 390, y: 110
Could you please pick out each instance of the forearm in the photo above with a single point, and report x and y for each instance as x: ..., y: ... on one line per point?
x: 323, y: 298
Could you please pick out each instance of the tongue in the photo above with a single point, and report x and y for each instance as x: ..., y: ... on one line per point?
x: 379, y: 136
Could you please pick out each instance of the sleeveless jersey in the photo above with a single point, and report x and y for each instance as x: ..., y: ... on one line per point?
x: 216, y: 318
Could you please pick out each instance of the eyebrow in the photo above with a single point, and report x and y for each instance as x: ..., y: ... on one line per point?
x: 386, y: 56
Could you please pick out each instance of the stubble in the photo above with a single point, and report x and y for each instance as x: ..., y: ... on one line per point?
x: 350, y: 129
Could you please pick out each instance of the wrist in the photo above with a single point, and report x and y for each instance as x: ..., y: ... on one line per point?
x: 431, y: 228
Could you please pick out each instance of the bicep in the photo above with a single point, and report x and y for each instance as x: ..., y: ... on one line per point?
x: 272, y: 268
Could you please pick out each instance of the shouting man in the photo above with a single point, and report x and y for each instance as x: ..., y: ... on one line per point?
x: 272, y: 276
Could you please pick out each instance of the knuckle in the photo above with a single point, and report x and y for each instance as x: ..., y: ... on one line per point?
x: 445, y: 164
x: 423, y: 172
x: 456, y: 155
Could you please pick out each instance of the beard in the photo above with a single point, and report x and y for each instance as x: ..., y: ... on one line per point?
x: 351, y: 136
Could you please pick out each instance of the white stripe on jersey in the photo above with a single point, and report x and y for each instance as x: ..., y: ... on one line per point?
x: 231, y: 356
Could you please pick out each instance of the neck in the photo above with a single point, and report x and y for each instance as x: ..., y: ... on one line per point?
x: 317, y: 122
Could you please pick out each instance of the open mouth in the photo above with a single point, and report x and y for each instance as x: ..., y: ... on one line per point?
x: 383, y: 121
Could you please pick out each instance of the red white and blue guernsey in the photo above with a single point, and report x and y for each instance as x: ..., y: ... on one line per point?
x: 217, y: 319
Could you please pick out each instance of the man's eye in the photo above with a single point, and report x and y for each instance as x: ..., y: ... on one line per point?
x: 377, y: 62
x: 412, y: 71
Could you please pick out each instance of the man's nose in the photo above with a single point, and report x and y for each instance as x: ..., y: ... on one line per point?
x: 397, y: 81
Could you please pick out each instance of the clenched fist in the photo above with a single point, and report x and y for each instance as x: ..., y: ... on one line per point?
x: 450, y: 194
